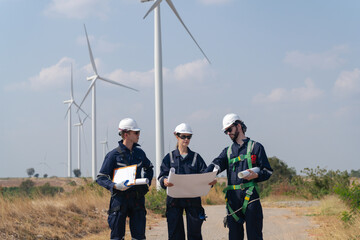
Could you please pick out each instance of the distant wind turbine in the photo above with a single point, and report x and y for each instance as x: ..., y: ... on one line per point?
x: 105, y: 145
x: 70, y: 102
x: 80, y: 129
x: 92, y: 87
x: 159, y: 119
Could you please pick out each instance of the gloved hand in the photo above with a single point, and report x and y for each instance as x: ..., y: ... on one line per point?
x: 122, y: 186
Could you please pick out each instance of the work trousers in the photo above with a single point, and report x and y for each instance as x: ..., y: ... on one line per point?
x: 253, y: 220
x: 133, y: 208
x: 194, y: 219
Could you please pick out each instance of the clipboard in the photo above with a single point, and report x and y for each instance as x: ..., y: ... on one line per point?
x: 125, y: 173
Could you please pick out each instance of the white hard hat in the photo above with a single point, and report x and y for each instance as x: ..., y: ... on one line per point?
x: 183, y: 128
x: 229, y: 119
x: 128, y: 124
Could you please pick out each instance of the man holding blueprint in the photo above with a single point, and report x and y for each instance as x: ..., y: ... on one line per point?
x: 121, y: 175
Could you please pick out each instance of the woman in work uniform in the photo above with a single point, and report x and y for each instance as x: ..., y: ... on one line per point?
x: 184, y: 161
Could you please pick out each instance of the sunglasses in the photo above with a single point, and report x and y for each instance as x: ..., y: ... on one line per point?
x: 135, y: 132
x: 183, y: 137
x: 229, y: 129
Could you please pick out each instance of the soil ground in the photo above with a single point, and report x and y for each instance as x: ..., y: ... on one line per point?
x: 284, y: 220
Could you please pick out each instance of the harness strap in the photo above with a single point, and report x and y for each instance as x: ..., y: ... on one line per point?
x: 251, y: 185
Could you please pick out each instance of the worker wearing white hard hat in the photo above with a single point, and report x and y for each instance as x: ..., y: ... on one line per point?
x: 184, y: 161
x: 242, y: 195
x: 126, y: 200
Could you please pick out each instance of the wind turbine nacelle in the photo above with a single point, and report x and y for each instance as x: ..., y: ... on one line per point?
x: 67, y: 101
x: 91, y: 78
x: 145, y: 1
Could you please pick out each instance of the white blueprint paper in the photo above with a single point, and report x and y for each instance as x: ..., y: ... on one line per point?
x: 189, y: 185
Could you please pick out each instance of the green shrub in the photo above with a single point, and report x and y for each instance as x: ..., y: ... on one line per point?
x: 319, y: 182
x: 156, y: 201
x: 351, y: 195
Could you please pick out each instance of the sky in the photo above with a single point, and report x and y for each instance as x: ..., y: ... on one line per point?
x: 289, y: 69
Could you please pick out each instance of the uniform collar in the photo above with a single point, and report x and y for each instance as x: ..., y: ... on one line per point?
x: 177, y: 152
x: 245, y: 141
x: 123, y: 147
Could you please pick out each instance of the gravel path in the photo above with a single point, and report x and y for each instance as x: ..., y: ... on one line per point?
x: 280, y: 222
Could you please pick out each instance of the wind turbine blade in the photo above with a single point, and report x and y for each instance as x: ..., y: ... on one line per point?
x: 152, y: 8
x: 90, y: 52
x: 79, y: 108
x: 67, y: 111
x: 87, y: 93
x: 116, y: 83
x: 79, y: 118
x: 72, y: 88
x: 171, y: 5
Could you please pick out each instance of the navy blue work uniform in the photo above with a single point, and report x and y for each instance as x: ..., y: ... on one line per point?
x: 130, y: 202
x: 235, y: 198
x: 195, y: 214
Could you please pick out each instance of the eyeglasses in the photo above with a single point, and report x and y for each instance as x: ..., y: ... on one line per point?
x: 229, y: 129
x: 183, y: 137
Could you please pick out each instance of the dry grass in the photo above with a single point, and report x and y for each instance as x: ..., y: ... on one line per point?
x: 214, y: 197
x: 66, y: 216
x: 328, y: 217
x: 79, y: 213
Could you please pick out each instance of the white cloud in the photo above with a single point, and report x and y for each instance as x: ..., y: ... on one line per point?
x: 212, y: 2
x: 133, y: 79
x: 48, y: 78
x: 347, y: 83
x: 302, y: 94
x: 197, y: 70
x: 325, y: 60
x: 78, y: 9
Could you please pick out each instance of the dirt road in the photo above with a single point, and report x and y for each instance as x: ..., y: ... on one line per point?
x: 283, y: 221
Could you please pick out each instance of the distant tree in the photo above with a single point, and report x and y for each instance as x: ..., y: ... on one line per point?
x: 30, y: 171
x: 27, y: 184
x: 355, y: 173
x: 77, y: 172
x: 281, y: 170
x: 280, y: 179
x: 36, y: 175
x: 45, y: 175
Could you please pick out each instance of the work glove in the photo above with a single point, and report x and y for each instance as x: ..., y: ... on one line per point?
x: 122, y: 186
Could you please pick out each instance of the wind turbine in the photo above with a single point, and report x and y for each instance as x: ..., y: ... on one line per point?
x: 92, y: 87
x: 159, y: 119
x: 70, y: 102
x: 105, y: 145
x: 80, y: 129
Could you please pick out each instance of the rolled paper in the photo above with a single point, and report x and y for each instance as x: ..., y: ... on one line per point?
x: 141, y: 181
x: 246, y: 172
x: 172, y: 171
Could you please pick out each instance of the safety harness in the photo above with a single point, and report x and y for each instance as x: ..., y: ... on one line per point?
x: 250, y: 185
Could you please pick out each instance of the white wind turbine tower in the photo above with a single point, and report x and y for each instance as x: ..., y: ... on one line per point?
x: 159, y: 119
x: 105, y: 145
x: 92, y: 87
x: 70, y: 102
x: 80, y: 129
